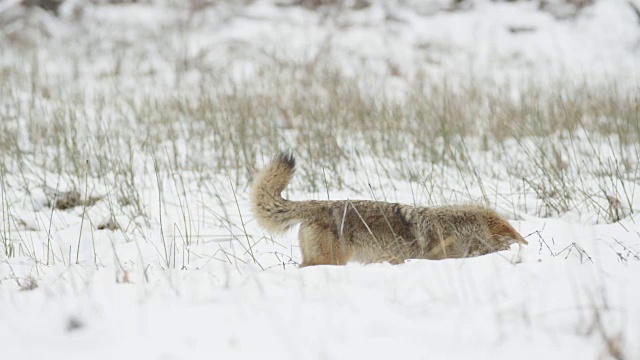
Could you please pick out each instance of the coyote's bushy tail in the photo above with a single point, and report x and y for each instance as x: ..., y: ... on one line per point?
x: 272, y: 212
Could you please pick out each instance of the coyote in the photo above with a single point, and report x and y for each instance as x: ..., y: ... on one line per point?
x: 335, y: 232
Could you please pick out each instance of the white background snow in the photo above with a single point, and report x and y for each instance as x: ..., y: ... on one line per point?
x: 199, y: 279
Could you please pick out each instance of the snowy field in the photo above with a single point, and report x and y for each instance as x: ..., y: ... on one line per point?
x: 130, y: 133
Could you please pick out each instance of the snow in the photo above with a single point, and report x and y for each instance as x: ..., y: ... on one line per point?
x: 199, y: 279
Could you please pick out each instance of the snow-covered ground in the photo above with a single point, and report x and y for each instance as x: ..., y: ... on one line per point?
x: 148, y: 121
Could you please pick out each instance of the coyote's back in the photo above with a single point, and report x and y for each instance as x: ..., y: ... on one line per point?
x: 334, y: 232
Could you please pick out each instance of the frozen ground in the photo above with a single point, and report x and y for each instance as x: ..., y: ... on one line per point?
x: 129, y: 135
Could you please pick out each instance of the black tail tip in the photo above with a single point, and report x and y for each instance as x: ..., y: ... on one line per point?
x: 286, y: 158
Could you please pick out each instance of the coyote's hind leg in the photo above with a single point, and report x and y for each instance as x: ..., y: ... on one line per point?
x: 320, y: 246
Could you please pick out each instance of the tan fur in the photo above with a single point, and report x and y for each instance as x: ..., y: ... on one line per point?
x: 335, y: 232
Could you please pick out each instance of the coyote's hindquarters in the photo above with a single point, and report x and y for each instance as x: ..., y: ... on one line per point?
x: 334, y: 232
